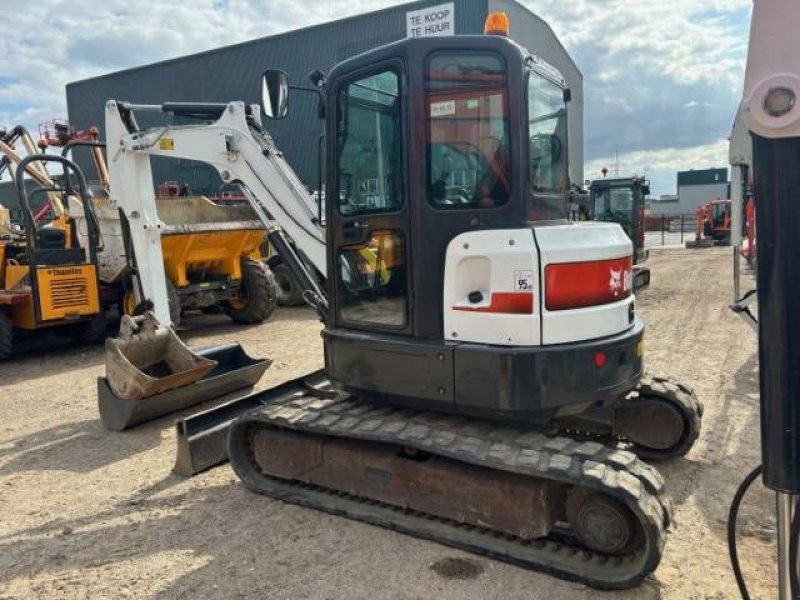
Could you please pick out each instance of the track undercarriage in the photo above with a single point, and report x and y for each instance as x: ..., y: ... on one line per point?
x: 565, y: 504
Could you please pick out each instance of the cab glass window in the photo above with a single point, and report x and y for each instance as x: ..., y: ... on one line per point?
x: 369, y: 140
x: 373, y: 280
x: 547, y: 131
x: 467, y: 133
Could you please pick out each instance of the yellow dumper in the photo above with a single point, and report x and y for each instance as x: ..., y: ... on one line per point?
x: 212, y: 259
x: 212, y: 253
x: 48, y: 278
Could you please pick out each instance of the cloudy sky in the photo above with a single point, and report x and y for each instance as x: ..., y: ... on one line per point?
x: 662, y: 78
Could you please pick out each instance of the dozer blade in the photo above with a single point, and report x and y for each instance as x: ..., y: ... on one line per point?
x: 202, y: 438
x: 208, y: 374
x: 578, y: 510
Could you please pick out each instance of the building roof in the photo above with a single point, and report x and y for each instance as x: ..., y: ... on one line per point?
x: 703, y: 176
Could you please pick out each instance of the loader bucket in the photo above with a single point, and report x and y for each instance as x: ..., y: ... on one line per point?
x: 235, y: 372
x: 148, y: 359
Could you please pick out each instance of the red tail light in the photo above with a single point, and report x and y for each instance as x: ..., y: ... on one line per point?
x: 577, y: 285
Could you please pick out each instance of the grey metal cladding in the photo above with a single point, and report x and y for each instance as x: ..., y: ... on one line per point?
x: 234, y: 72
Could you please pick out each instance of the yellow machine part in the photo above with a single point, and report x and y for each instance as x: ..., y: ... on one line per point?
x: 14, y: 274
x: 64, y: 293
x: 68, y: 291
x: 217, y: 252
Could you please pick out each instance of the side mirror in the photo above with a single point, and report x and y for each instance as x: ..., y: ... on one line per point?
x: 274, y: 93
x: 645, y: 190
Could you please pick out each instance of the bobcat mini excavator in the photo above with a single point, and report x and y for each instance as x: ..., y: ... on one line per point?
x: 483, y: 382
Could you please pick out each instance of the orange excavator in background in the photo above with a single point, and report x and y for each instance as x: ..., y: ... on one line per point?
x: 712, y: 224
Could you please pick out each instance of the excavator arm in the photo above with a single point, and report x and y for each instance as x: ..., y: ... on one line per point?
x: 769, y: 138
x: 243, y: 153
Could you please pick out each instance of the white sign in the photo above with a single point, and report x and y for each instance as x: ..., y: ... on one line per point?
x: 523, y: 281
x: 443, y: 109
x: 433, y: 21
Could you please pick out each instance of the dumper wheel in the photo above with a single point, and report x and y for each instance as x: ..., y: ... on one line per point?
x: 6, y: 336
x: 258, y: 295
x: 289, y: 292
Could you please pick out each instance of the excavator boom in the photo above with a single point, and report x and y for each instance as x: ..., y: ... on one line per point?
x: 242, y: 152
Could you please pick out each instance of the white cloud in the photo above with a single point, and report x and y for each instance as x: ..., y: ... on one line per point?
x: 661, y: 166
x: 662, y: 79
x: 83, y: 39
x: 658, y: 75
x: 641, y: 162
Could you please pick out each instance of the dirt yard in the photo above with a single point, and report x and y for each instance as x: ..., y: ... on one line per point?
x: 86, y: 513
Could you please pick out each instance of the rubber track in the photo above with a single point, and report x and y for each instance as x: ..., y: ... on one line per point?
x: 683, y: 397
x: 614, y: 472
x: 657, y: 385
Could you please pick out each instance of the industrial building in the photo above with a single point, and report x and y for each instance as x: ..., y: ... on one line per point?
x: 234, y: 73
x: 695, y: 187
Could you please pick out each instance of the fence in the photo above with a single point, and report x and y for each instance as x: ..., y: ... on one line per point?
x: 663, y: 230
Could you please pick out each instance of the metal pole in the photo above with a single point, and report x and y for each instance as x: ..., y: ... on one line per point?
x: 785, y: 503
x: 663, y: 221
x: 682, y: 223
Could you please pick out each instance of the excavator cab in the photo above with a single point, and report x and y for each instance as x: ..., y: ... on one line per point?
x: 449, y: 158
x: 621, y: 200
x: 51, y: 279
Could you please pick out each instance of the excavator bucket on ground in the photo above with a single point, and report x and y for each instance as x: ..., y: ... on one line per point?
x: 150, y: 372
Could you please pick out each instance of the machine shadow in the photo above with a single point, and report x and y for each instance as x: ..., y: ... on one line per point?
x: 147, y: 524
x: 77, y: 447
x: 51, y: 354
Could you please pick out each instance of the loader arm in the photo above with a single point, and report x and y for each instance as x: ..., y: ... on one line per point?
x: 243, y: 153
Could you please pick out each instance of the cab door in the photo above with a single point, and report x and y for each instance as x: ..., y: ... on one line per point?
x: 368, y: 229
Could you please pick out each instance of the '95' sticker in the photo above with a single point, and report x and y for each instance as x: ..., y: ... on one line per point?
x: 523, y: 281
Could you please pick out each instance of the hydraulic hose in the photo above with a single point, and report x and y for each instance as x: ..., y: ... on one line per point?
x: 794, y: 538
x: 733, y: 516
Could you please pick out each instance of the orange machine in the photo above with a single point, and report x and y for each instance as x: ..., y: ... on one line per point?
x: 713, y: 222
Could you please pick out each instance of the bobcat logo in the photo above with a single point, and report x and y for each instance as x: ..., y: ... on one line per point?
x: 620, y: 281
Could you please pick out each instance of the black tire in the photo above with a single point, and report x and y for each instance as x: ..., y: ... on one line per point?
x: 6, y: 337
x: 174, y: 304
x: 259, y: 294
x: 289, y: 292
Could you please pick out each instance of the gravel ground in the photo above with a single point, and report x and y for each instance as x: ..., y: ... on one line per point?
x: 90, y: 513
